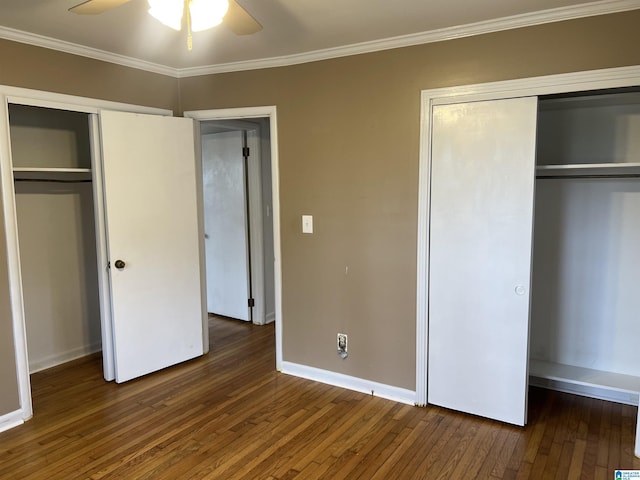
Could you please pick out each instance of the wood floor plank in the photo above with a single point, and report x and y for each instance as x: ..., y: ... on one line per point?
x: 406, y: 432
x: 478, y: 449
x: 230, y: 415
x: 604, y: 433
x: 503, y: 456
x: 407, y: 451
x: 577, y: 460
x: 538, y: 466
x: 491, y: 458
x: 356, y: 450
x: 437, y: 455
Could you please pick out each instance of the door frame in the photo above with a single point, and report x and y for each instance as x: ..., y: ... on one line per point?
x: 269, y: 112
x: 23, y: 96
x: 527, y: 87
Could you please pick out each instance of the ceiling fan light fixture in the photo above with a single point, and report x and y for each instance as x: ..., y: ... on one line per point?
x: 207, y: 13
x: 167, y: 12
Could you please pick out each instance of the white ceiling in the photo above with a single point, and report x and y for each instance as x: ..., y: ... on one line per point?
x: 294, y: 30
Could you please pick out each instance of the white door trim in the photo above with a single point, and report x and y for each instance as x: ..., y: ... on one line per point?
x: 551, y: 84
x: 271, y: 113
x: 13, y: 264
x: 37, y: 98
x: 108, y: 360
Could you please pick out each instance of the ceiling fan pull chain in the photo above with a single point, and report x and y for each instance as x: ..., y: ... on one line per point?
x: 189, y: 36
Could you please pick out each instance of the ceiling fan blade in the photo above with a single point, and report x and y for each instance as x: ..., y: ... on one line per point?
x: 94, y: 7
x: 240, y: 21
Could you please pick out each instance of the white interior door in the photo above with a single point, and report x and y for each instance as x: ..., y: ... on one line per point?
x: 150, y: 187
x: 225, y: 213
x: 482, y: 186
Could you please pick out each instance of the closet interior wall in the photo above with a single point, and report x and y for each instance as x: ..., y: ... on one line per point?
x: 586, y: 259
x: 51, y: 158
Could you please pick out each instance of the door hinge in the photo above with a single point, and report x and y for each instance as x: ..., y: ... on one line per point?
x: 252, y: 303
x: 245, y: 151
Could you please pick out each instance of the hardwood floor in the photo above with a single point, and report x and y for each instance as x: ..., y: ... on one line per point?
x: 229, y: 415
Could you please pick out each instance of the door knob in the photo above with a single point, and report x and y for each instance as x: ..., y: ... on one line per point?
x: 119, y: 264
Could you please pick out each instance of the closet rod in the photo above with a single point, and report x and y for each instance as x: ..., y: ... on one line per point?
x: 612, y: 175
x: 51, y: 180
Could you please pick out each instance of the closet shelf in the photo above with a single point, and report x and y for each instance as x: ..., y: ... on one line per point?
x: 588, y: 169
x: 63, y: 174
x: 586, y: 377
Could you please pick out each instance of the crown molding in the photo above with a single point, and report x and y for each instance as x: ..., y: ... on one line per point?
x: 84, y: 51
x: 601, y: 7
x: 449, y: 33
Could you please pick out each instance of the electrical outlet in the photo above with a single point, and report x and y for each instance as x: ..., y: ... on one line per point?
x: 342, y: 345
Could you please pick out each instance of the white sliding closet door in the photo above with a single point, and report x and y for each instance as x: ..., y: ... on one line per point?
x: 151, y: 202
x: 482, y: 181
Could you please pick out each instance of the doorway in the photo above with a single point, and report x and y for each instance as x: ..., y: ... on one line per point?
x: 237, y: 198
x: 269, y: 114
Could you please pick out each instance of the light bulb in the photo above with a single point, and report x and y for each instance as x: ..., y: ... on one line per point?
x: 168, y: 12
x: 207, y: 13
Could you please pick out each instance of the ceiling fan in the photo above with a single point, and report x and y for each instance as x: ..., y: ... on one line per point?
x: 201, y: 14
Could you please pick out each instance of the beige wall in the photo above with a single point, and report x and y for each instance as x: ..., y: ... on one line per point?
x: 349, y: 140
x: 41, y: 69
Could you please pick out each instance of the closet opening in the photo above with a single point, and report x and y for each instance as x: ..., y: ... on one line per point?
x: 52, y: 168
x: 584, y: 304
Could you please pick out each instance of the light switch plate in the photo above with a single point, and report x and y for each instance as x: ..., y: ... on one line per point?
x: 307, y: 223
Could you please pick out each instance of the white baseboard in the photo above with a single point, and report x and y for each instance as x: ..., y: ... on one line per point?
x: 11, y: 420
x: 38, y: 364
x: 270, y: 317
x: 369, y: 387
